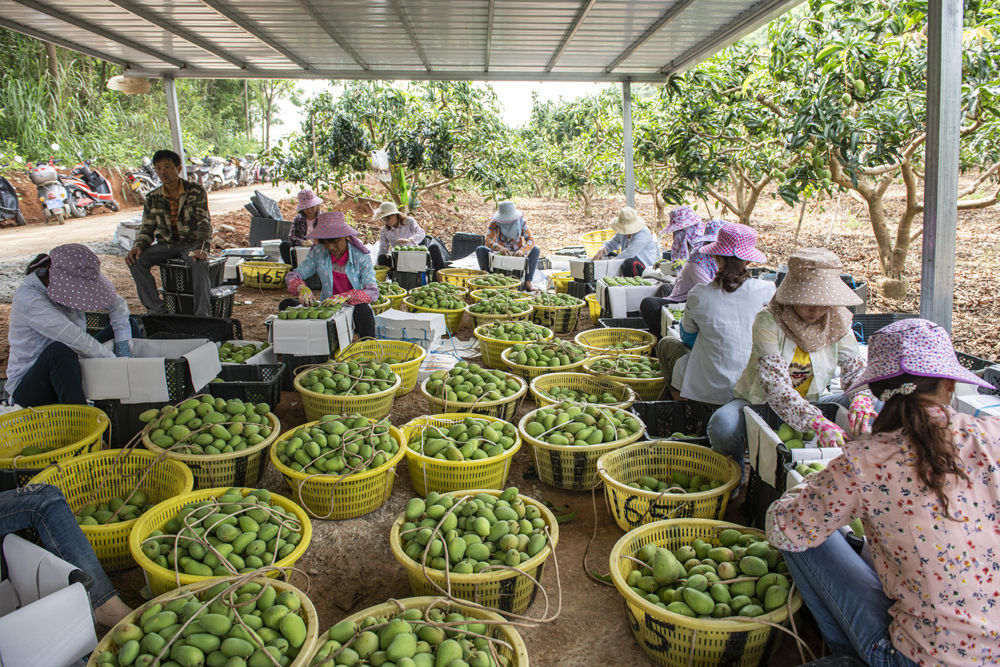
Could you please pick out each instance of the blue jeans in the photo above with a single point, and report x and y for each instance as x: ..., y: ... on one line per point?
x: 483, y: 255
x: 43, y: 507
x: 853, y: 619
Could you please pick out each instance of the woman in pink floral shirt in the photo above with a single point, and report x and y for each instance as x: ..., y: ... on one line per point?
x: 926, y: 487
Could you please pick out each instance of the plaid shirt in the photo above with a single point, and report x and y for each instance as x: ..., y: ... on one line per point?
x: 520, y: 246
x: 194, y: 224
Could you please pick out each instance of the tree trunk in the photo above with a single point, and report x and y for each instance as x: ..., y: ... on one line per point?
x: 50, y: 51
x: 660, y: 206
x: 588, y: 205
x: 267, y: 123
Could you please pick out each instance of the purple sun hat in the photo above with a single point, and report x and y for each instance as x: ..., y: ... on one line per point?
x: 914, y: 346
x: 712, y: 229
x: 307, y: 199
x: 76, y: 281
x: 682, y: 217
x: 334, y: 226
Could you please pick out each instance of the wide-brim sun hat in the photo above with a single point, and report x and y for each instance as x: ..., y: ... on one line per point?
x: 712, y: 229
x: 814, y: 280
x: 628, y: 222
x: 682, y: 217
x: 331, y: 226
x: 735, y: 240
x: 917, y: 347
x: 507, y: 212
x: 76, y: 281
x: 307, y: 199
x: 129, y: 85
x: 385, y: 209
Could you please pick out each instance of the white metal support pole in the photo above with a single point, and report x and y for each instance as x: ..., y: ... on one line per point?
x: 174, y: 118
x: 944, y: 81
x: 627, y: 129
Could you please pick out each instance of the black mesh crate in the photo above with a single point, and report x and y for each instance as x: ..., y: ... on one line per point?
x: 410, y: 280
x: 183, y: 304
x: 124, y: 417
x: 623, y: 323
x: 175, y: 275
x: 580, y: 288
x: 97, y: 321
x: 992, y: 375
x: 257, y: 383
x: 266, y: 229
x: 864, y: 325
x: 215, y: 329
x: 664, y: 418
x: 295, y: 364
x: 464, y: 244
x: 975, y: 364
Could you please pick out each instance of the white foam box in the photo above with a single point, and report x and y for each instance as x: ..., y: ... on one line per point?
x: 142, y: 378
x: 762, y: 444
x: 300, y: 253
x: 312, y: 337
x: 424, y: 329
x: 620, y: 301
x: 977, y: 405
x: 265, y: 356
x: 500, y: 262
x: 602, y: 268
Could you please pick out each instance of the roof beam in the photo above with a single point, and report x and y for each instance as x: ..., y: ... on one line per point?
x: 59, y: 41
x: 581, y: 16
x: 405, y: 20
x: 334, y: 34
x: 743, y: 24
x: 255, y: 30
x: 489, y: 34
x: 666, y: 18
x: 99, y: 31
x: 146, y: 15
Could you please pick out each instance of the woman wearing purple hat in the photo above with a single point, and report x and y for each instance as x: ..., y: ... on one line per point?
x: 48, y: 326
x: 307, y: 209
x: 926, y: 488
x: 344, y: 267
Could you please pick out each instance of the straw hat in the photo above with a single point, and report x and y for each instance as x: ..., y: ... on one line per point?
x: 76, y: 281
x: 814, y: 280
x: 628, y: 222
x: 386, y: 209
x: 129, y: 85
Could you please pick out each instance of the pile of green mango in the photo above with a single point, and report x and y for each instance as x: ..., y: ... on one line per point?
x: 557, y: 300
x: 676, y: 313
x: 515, y: 331
x: 794, y: 439
x: 625, y: 345
x: 408, y: 640
x: 693, y: 580
x: 472, y: 439
x: 483, y: 530
x: 208, y: 425
x: 114, y: 510
x: 349, y: 378
x: 678, y: 480
x: 496, y: 293
x: 253, y: 626
x: 230, y: 353
x: 627, y: 281
x: 550, y: 354
x: 248, y: 532
x: 409, y: 248
x: 440, y: 296
x: 500, y: 306
x: 439, y: 288
x: 572, y: 424
x: 806, y: 469
x: 628, y: 367
x: 558, y: 393
x: 338, y: 445
x: 467, y: 383
x: 390, y: 289
x: 494, y: 280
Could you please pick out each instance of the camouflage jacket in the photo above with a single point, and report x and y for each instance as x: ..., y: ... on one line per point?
x: 193, y: 221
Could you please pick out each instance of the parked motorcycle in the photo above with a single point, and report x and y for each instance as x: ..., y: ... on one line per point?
x: 10, y: 207
x: 51, y: 192
x: 87, y: 189
x: 143, y: 180
x: 230, y: 173
x: 253, y: 169
x: 198, y: 172
x: 243, y: 175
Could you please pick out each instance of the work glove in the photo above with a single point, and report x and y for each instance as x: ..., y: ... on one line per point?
x: 828, y: 434
x: 122, y: 349
x: 356, y: 296
x: 306, y: 297
x: 861, y: 414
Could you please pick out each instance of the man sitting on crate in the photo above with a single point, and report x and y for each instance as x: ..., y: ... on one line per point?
x: 176, y: 216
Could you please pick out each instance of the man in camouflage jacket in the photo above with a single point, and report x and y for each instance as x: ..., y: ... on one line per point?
x: 176, y: 216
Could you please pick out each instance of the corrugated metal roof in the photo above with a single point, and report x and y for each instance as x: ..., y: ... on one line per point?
x: 556, y: 40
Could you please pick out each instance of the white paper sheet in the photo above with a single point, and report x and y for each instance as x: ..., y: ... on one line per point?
x: 300, y: 337
x: 622, y: 300
x: 203, y: 361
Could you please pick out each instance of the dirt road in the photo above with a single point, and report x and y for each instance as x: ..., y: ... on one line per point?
x: 17, y: 241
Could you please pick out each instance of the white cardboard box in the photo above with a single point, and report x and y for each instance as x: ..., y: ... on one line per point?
x: 300, y: 253
x: 602, y: 267
x: 622, y: 300
x: 311, y: 337
x: 977, y: 405
x: 762, y: 444
x: 142, y: 379
x: 424, y: 329
x: 412, y: 261
x: 507, y: 262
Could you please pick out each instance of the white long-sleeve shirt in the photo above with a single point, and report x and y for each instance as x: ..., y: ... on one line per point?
x: 642, y: 245
x: 36, y: 321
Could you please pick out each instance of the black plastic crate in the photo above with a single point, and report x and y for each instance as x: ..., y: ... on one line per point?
x: 97, y: 321
x: 257, y: 383
x: 623, y: 323
x: 295, y: 364
x: 410, y: 280
x: 972, y: 363
x: 992, y: 375
x: 215, y: 329
x: 864, y: 325
x: 124, y: 417
x: 664, y: 418
x: 183, y: 304
x: 266, y: 229
x: 860, y: 287
x: 175, y: 275
x: 580, y: 289
x: 464, y: 244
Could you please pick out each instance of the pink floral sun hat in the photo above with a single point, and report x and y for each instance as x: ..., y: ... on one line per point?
x: 307, y: 199
x: 682, y: 217
x: 915, y: 346
x: 735, y: 240
x: 76, y: 281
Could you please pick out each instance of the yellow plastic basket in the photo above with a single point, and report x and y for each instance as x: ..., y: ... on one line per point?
x: 496, y: 627
x: 452, y: 316
x: 596, y: 341
x: 64, y: 431
x: 491, y: 348
x: 264, y: 275
x: 458, y: 277
x: 486, y: 292
x: 381, y: 305
x: 430, y: 474
x: 486, y: 318
x: 338, y: 497
x: 504, y: 590
x: 505, y: 408
x: 647, y: 389
x: 512, y: 284
x: 571, y: 467
x: 379, y: 350
x: 529, y: 373
x: 562, y: 280
x: 632, y: 507
x: 674, y: 640
x: 115, y: 473
x: 561, y: 319
x: 595, y: 308
x: 381, y: 273
x: 580, y: 382
x: 307, y: 611
x: 374, y: 406
x: 161, y: 579
x: 243, y: 468
x: 592, y: 241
